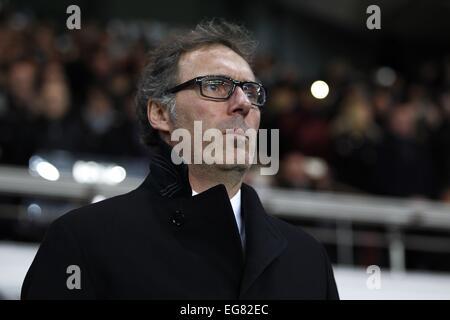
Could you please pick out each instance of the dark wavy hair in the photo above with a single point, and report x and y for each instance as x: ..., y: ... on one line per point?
x: 161, y: 71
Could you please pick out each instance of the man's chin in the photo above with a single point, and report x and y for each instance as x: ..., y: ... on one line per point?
x: 233, y: 167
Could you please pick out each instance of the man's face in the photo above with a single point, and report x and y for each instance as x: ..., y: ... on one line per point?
x: 236, y: 112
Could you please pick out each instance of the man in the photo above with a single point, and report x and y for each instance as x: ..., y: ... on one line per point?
x: 190, y: 231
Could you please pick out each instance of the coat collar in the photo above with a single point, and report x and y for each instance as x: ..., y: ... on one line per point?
x: 165, y: 177
x: 264, y: 241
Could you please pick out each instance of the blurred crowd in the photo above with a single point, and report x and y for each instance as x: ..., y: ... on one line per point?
x: 378, y: 131
x: 70, y: 91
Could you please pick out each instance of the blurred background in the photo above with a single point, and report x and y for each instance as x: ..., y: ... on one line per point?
x: 364, y: 119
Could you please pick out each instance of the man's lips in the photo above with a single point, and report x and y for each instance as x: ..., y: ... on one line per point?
x: 234, y: 131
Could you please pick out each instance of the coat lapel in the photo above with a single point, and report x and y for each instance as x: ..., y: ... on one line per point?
x: 264, y: 242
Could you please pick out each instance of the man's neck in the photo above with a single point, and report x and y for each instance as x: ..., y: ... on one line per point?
x: 202, y: 178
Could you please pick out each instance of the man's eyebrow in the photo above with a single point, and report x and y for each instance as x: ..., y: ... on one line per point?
x: 219, y: 75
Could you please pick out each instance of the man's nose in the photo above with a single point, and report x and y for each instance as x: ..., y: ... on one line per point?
x: 239, y: 102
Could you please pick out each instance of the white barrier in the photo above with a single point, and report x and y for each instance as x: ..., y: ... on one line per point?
x: 344, y: 209
x: 352, y: 282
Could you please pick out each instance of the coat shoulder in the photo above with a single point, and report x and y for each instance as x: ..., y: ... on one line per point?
x: 115, y: 210
x: 295, y: 235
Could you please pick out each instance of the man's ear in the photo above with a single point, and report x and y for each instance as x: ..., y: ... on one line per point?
x: 158, y: 117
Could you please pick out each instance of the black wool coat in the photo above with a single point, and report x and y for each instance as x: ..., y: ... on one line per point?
x: 159, y: 242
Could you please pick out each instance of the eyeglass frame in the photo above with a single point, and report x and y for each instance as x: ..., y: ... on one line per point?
x: 236, y: 83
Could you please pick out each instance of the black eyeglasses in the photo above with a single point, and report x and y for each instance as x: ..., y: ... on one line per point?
x: 221, y: 88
